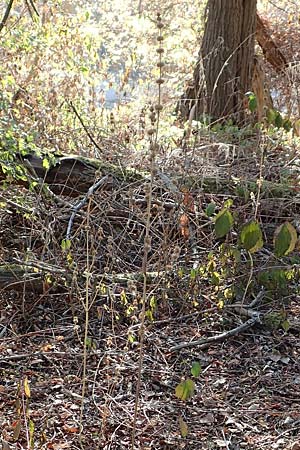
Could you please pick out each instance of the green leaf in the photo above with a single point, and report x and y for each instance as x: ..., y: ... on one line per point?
x: 185, y: 390
x: 65, y: 244
x: 210, y: 209
x: 285, y: 239
x: 196, y: 369
x: 183, y: 427
x: 251, y: 237
x: 152, y: 302
x: 223, y: 222
x: 271, y: 116
x: 46, y: 164
x: 236, y: 254
x: 287, y: 125
x: 31, y: 433
x: 215, y: 278
x: 193, y: 274
x: 285, y: 325
x: 252, y: 102
x: 278, y: 120
x: 228, y: 203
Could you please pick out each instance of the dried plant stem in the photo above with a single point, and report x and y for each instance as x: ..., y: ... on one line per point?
x: 86, y: 305
x: 249, y: 279
x: 143, y: 310
x: 259, y: 184
x: 147, y: 241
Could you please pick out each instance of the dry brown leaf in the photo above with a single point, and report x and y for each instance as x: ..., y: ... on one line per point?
x: 59, y: 446
x: 184, y: 226
x: 295, y: 446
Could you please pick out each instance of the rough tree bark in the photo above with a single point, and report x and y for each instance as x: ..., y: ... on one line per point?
x: 226, y: 57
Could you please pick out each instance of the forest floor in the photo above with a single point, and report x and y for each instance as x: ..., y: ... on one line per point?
x: 247, y: 395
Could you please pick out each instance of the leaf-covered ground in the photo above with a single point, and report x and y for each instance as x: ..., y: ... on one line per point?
x: 247, y: 394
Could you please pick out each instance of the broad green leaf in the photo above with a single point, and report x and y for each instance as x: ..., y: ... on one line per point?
x: 271, y: 116
x: 251, y: 237
x: 183, y: 427
x: 285, y: 325
x: 287, y: 125
x: 210, y: 209
x: 285, y: 239
x: 185, y: 390
x: 278, y: 120
x: 193, y: 274
x: 252, y: 102
x: 223, y: 222
x: 46, y: 164
x: 196, y: 369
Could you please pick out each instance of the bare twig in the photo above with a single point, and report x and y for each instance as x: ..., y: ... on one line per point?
x: 30, y: 4
x: 17, y: 206
x: 84, y: 126
x: 204, y: 343
x: 82, y: 202
x: 6, y: 14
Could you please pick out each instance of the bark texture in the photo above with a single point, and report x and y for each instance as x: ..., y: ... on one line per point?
x: 225, y: 65
x: 72, y: 175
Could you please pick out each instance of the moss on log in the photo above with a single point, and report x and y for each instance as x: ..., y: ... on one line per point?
x: 73, y: 175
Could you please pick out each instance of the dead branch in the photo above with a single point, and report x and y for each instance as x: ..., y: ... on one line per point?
x: 6, y: 14
x: 82, y: 202
x: 204, y: 343
x: 271, y: 51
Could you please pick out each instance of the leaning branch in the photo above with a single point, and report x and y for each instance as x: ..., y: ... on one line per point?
x: 6, y: 15
x: 204, y: 343
x: 83, y: 201
x: 270, y: 49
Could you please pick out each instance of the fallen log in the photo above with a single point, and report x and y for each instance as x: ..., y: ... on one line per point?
x: 36, y: 277
x: 73, y: 175
x: 70, y: 175
x: 14, y: 277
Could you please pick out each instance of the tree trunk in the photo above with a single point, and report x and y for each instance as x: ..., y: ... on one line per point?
x: 226, y: 57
